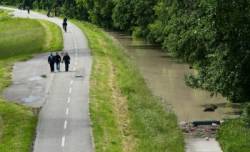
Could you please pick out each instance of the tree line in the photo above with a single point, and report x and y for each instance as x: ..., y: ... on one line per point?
x: 211, y: 35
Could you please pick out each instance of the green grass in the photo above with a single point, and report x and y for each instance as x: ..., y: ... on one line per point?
x: 54, y: 37
x: 4, y: 14
x: 234, y: 136
x: 24, y: 37
x: 18, y: 125
x: 20, y: 39
x: 151, y: 127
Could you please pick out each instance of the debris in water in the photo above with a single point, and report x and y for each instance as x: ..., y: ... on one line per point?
x: 210, y: 108
x: 203, y: 131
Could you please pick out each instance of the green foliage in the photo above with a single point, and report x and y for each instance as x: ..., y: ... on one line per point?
x: 100, y: 12
x: 246, y: 116
x: 184, y: 28
x: 123, y: 16
x: 234, y: 136
x: 11, y: 2
x: 134, y: 15
x: 226, y: 66
x: 214, y: 36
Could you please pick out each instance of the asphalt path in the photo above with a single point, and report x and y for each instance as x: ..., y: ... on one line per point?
x: 64, y: 123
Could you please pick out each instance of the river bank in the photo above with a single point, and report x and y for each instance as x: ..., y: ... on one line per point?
x: 165, y: 77
x: 125, y: 115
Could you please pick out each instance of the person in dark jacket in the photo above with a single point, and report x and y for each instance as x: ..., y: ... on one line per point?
x: 58, y: 60
x: 28, y: 9
x: 65, y: 24
x: 66, y: 60
x: 51, y: 60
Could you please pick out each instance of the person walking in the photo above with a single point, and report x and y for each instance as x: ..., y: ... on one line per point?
x: 51, y: 60
x: 65, y: 24
x: 58, y: 60
x: 28, y: 9
x: 66, y: 60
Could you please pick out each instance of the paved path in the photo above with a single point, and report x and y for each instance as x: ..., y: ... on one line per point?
x: 64, y: 124
x: 202, y: 145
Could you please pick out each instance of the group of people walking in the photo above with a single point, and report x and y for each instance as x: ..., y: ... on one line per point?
x: 56, y: 60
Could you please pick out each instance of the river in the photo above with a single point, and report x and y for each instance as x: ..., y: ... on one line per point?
x: 165, y: 77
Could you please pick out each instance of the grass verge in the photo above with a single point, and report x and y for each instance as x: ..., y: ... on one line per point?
x: 19, y: 40
x: 234, y: 136
x: 18, y: 125
x: 123, y: 110
x: 25, y: 37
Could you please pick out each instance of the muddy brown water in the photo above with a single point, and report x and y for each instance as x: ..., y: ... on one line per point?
x: 165, y: 77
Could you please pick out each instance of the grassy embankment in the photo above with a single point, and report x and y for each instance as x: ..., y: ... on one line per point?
x: 125, y: 115
x: 234, y: 136
x: 19, y: 40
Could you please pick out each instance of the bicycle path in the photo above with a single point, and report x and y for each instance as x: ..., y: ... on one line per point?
x: 64, y: 123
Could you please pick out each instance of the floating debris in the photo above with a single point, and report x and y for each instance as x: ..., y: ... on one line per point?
x: 210, y: 108
x: 201, y: 129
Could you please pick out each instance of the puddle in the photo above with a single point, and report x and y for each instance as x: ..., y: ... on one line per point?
x: 36, y: 78
x: 30, y: 99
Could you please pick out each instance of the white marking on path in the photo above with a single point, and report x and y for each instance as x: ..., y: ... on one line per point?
x: 63, y: 141
x: 70, y: 90
x: 71, y: 82
x: 65, y: 124
x: 68, y: 100
x: 67, y: 111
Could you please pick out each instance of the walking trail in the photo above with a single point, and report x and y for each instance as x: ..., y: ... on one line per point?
x: 64, y: 124
x: 202, y: 145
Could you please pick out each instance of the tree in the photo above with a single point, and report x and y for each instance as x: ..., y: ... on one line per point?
x: 123, y: 16
x: 134, y: 15
x: 99, y: 11
x: 227, y: 64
